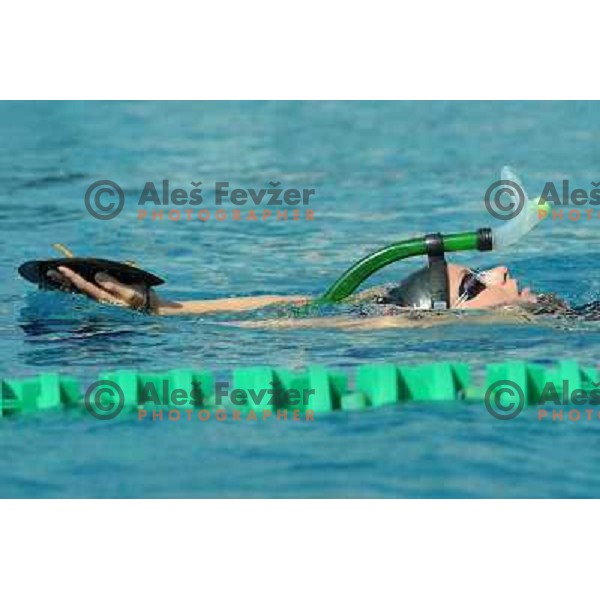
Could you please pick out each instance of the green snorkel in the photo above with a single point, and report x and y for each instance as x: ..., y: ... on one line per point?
x: 435, y: 245
x: 359, y: 272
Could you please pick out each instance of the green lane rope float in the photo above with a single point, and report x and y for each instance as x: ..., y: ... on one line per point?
x: 317, y: 388
x: 38, y: 393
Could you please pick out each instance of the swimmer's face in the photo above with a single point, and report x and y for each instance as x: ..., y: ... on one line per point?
x: 493, y: 287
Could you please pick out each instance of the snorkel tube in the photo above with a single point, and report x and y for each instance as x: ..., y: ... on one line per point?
x: 435, y: 245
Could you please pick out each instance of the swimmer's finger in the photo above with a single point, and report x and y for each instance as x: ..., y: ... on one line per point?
x: 57, y: 277
x: 126, y: 293
x: 91, y: 290
x: 54, y: 275
x: 113, y: 285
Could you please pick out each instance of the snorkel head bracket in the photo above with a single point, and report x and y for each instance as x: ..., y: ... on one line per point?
x: 439, y: 283
x: 429, y: 288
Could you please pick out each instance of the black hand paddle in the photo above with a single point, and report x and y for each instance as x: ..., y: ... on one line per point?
x: 37, y: 271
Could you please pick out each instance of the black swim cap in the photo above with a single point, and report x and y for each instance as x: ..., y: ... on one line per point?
x: 426, y: 288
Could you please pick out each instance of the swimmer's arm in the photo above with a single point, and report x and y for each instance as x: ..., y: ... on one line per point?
x: 198, y: 307
x: 250, y: 303
x: 108, y: 290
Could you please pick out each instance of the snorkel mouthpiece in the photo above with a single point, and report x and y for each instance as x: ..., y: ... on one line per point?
x: 435, y: 246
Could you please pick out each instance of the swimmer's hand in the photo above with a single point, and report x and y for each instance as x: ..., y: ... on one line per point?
x: 107, y: 290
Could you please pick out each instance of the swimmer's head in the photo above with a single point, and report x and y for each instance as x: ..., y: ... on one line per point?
x: 414, y: 291
x: 467, y: 289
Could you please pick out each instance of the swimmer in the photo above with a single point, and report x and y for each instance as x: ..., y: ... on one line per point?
x: 467, y: 289
x: 440, y: 287
x: 486, y: 297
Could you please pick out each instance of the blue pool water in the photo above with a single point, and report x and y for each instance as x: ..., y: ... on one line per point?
x: 382, y: 172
